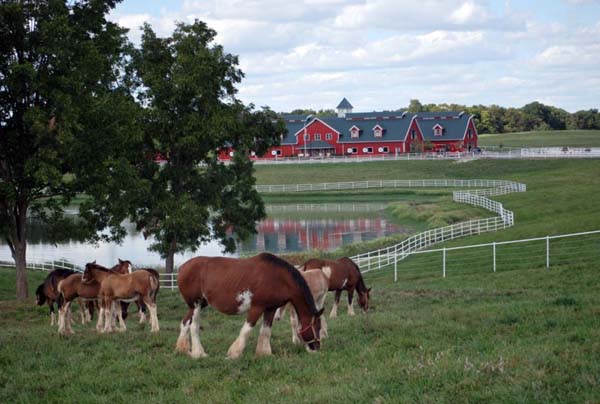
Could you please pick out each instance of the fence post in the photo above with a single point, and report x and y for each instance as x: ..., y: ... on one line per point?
x: 444, y: 263
x: 494, y: 253
x: 547, y: 252
x: 396, y: 264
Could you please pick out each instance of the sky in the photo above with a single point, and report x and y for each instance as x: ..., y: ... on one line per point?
x: 380, y: 54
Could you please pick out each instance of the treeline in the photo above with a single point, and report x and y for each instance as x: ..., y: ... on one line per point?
x: 497, y: 119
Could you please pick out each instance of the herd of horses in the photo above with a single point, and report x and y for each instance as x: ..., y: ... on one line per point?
x: 261, y: 286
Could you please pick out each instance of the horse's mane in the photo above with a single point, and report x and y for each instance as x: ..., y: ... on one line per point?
x: 97, y: 266
x: 296, y: 276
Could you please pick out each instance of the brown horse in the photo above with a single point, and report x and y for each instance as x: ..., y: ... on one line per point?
x: 118, y: 287
x: 345, y: 275
x: 47, y: 292
x: 255, y: 286
x: 140, y: 302
x: 73, y: 287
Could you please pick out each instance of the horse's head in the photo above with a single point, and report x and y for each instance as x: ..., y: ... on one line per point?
x: 88, y: 273
x: 363, y: 299
x: 124, y: 267
x: 40, y: 296
x: 310, y: 333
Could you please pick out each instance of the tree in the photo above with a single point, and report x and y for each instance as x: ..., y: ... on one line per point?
x: 415, y: 106
x: 188, y: 90
x: 60, y: 68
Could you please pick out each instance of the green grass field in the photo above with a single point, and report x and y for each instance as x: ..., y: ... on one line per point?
x: 558, y: 138
x: 519, y: 335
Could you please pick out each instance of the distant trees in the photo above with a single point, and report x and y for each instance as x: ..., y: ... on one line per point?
x: 533, y: 116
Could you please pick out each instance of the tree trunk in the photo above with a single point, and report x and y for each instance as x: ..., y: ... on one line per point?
x: 171, y: 257
x: 19, y: 251
x: 21, y: 265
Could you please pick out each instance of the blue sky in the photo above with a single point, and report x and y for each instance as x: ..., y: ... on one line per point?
x: 381, y: 53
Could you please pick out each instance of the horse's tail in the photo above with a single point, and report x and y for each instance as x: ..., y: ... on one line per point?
x: 154, y: 285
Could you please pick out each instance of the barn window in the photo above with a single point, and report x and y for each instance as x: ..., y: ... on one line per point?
x: 306, y: 136
x: 328, y: 136
x: 317, y: 136
x: 367, y: 150
x: 413, y: 134
x: 438, y: 130
x: 354, y: 132
x: 377, y: 131
x: 470, y: 134
x: 352, y: 150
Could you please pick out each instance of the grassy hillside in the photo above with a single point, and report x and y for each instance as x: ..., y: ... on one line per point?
x: 526, y: 335
x: 558, y: 138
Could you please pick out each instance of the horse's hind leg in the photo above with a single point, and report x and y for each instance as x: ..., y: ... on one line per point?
x: 333, y: 312
x: 263, y: 347
x: 81, y: 310
x: 154, y: 327
x: 69, y: 320
x: 350, y: 306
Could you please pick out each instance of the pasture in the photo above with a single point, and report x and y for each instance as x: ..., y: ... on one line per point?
x: 515, y: 336
x: 527, y: 335
x: 551, y: 138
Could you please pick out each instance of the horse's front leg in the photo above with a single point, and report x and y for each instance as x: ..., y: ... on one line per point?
x: 81, y: 310
x: 320, y: 304
x: 51, y: 308
x: 263, y: 347
x: 108, y: 314
x: 236, y: 349
x: 350, y: 306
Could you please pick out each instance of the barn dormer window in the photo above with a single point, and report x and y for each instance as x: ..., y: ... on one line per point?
x: 354, y: 132
x: 438, y: 130
x: 378, y: 131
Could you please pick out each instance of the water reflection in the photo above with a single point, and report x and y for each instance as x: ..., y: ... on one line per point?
x: 288, y: 228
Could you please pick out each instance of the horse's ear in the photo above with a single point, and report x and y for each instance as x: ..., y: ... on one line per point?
x: 320, y: 312
x: 369, y: 290
x: 120, y: 262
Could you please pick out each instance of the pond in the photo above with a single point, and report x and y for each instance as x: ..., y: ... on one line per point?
x: 287, y: 228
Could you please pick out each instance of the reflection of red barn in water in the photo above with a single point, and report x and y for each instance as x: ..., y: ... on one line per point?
x: 279, y: 235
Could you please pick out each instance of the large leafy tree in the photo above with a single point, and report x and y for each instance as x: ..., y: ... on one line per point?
x: 62, y: 103
x: 190, y: 111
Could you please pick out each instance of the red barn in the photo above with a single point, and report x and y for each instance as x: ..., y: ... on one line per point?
x: 372, y: 133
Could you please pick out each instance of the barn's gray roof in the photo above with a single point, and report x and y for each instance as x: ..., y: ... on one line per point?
x: 454, y: 124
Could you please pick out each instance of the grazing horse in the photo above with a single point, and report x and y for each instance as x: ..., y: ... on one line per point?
x: 47, y: 292
x: 255, y: 286
x: 345, y: 275
x: 318, y: 283
x: 128, y: 287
